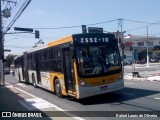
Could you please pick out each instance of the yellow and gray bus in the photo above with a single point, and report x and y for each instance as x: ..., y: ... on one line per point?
x: 80, y: 65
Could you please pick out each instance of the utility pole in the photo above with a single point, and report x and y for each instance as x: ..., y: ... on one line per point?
x: 147, y: 47
x: 1, y: 50
x: 122, y: 42
x: 6, y: 13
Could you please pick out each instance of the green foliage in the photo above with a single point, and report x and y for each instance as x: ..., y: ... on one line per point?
x: 9, y: 60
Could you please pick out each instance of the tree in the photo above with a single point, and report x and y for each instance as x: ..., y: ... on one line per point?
x: 9, y: 60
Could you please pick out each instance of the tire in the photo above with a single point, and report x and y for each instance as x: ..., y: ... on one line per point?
x: 57, y: 88
x: 34, y: 81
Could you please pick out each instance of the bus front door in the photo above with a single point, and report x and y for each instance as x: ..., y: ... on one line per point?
x: 68, y: 70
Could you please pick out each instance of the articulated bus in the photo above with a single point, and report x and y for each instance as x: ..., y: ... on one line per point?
x: 80, y: 65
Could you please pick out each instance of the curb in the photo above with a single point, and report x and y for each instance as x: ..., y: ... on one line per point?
x: 150, y: 79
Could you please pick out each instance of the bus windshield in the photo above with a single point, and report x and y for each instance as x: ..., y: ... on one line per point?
x: 96, y: 60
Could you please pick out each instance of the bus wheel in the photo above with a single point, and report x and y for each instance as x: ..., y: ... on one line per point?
x: 33, y: 81
x: 57, y: 87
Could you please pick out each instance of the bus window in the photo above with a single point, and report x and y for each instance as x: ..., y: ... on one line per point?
x: 96, y: 60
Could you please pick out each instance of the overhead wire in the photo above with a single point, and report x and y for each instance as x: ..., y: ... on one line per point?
x: 16, y: 46
x: 142, y: 22
x: 11, y: 8
x: 136, y: 21
x: 23, y: 7
x: 78, y: 25
x: 137, y: 28
x: 65, y: 27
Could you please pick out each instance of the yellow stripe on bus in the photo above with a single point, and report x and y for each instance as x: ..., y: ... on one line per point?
x: 101, y: 80
x: 60, y: 41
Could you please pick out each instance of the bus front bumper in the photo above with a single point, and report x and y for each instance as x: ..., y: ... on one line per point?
x: 85, y: 91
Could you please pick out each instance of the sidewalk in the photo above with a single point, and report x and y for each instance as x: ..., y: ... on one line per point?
x: 145, y: 75
x: 143, y: 65
x: 10, y: 103
x: 13, y: 100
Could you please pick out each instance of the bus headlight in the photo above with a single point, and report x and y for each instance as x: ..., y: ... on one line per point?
x: 120, y: 78
x: 83, y: 83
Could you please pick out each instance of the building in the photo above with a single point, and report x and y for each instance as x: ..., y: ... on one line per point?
x: 137, y: 47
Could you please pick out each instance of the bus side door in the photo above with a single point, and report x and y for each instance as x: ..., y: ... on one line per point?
x: 68, y: 70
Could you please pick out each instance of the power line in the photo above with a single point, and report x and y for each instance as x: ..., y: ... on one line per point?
x: 149, y: 24
x: 25, y: 36
x: 103, y: 22
x: 142, y: 22
x: 24, y: 6
x: 136, y: 21
x: 66, y: 27
x: 137, y: 28
x: 13, y: 10
x: 10, y: 40
x: 16, y: 46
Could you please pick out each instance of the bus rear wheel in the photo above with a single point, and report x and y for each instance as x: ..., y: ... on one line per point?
x: 57, y: 88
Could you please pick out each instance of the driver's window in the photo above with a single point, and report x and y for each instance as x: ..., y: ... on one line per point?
x: 84, y: 56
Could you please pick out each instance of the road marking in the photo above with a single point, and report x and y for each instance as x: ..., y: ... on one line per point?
x: 37, y: 98
x: 36, y: 103
x: 26, y: 92
x: 21, y: 84
x: 8, y: 85
x: 127, y: 94
x: 157, y: 98
x: 129, y: 83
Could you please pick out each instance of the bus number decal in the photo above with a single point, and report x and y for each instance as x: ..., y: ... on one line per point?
x: 93, y: 40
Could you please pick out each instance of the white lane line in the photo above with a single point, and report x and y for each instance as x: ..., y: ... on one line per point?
x: 129, y: 83
x: 55, y: 106
x: 22, y: 85
x: 127, y: 94
x: 8, y: 85
x: 26, y: 92
x: 36, y: 103
x: 157, y: 98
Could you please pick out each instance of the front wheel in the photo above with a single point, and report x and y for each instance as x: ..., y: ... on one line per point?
x: 57, y: 88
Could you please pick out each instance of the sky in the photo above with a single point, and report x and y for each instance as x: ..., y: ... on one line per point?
x: 66, y: 13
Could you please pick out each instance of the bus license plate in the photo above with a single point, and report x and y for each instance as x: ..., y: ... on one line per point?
x: 104, y: 87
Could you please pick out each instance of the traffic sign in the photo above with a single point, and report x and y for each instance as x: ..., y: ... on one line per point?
x: 6, y: 50
x: 23, y: 29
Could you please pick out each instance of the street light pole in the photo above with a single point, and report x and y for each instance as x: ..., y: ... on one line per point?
x: 147, y: 47
x: 1, y: 49
x: 120, y: 24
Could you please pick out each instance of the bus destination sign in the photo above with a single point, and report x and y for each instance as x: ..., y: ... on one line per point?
x: 88, y: 40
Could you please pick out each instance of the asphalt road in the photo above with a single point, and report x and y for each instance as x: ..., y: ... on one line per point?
x: 136, y: 96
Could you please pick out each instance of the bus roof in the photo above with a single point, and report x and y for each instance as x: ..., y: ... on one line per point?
x: 61, y: 41
x: 52, y: 43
